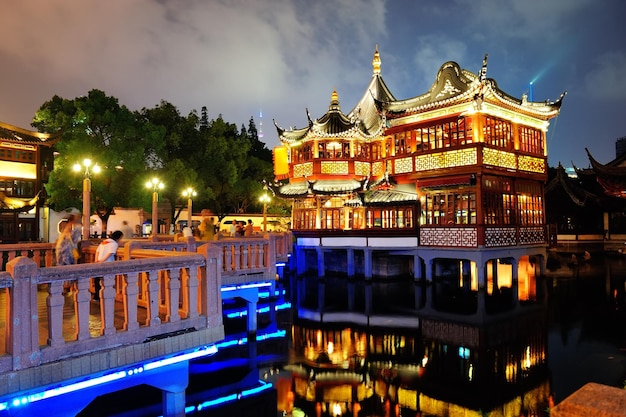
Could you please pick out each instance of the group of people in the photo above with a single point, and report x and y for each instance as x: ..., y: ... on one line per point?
x: 66, y: 248
x: 240, y: 229
x: 68, y: 253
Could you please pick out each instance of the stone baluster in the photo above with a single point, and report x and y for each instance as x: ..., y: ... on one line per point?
x: 82, y: 298
x: 228, y: 258
x: 245, y: 250
x: 191, y: 289
x: 153, y: 298
x: 130, y: 291
x: 107, y: 305
x: 184, y: 292
x: 173, y: 295
x: 55, y: 303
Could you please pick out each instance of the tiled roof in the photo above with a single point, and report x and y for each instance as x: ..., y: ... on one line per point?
x: 18, y: 135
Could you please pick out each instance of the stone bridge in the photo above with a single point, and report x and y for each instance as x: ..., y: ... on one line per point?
x: 159, y: 306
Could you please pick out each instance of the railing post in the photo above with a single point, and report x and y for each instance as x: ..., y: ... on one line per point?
x: 210, y: 285
x: 271, y: 260
x: 23, y: 320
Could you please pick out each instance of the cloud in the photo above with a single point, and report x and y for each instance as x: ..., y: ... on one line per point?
x: 605, y: 80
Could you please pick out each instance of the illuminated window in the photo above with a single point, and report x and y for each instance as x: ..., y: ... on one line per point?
x: 443, y: 134
x: 529, y: 203
x: 531, y: 140
x: 498, y: 201
x: 446, y: 207
x: 497, y: 132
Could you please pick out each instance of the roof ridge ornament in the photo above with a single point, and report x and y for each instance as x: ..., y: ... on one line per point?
x: 376, y: 62
x: 483, y: 70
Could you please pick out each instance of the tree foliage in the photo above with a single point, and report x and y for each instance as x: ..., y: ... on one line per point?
x: 224, y: 165
x: 97, y: 127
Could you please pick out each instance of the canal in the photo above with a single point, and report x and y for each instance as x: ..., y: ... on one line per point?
x: 345, y: 363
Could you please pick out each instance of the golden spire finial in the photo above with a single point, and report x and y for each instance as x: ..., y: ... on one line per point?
x: 376, y: 61
x: 334, y: 97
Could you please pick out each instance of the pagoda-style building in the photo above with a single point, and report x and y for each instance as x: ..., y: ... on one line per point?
x: 26, y: 158
x: 447, y: 186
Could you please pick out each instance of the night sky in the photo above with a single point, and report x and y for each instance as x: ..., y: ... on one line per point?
x: 241, y: 57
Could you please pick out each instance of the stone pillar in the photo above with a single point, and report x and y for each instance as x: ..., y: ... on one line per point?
x: 23, y: 321
x: 300, y: 261
x: 494, y: 277
x: 320, y: 262
x: 482, y: 289
x: 430, y: 293
x: 350, y: 261
x: 172, y: 382
x: 367, y: 263
x: 515, y: 281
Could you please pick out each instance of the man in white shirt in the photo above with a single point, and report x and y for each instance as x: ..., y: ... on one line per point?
x: 106, y: 253
x: 108, y: 247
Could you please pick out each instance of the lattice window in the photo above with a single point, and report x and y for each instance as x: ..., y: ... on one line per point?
x: 303, y: 170
x: 340, y: 167
x: 362, y: 168
x: 531, y: 164
x: 499, y: 158
x: 461, y: 157
x: 403, y: 165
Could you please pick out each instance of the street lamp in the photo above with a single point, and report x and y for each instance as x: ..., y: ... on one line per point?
x: 156, y: 185
x: 86, y: 165
x: 189, y: 193
x: 265, y: 199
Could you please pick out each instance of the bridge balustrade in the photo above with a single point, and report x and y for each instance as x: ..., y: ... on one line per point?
x: 154, y: 290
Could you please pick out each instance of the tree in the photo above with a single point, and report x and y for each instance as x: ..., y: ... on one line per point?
x: 97, y: 127
x: 180, y: 155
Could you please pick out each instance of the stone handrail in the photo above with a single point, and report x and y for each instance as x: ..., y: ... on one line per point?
x: 176, y: 282
x: 41, y: 253
x: 179, y: 293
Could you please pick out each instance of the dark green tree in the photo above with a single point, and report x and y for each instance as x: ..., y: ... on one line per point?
x: 97, y: 127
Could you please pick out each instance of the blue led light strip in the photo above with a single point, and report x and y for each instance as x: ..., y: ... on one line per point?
x: 236, y: 396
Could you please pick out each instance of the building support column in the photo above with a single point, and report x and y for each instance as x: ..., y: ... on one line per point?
x: 515, y: 281
x: 482, y: 289
x: 320, y: 262
x: 429, y: 304
x: 495, y: 288
x: 367, y: 263
x: 300, y: 261
x: 418, y: 284
x: 350, y: 261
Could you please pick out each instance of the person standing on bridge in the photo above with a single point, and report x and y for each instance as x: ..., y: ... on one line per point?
x: 106, y: 253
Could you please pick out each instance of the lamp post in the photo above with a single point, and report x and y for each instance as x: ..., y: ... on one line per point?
x: 189, y: 193
x: 86, y: 165
x: 265, y: 199
x: 156, y: 185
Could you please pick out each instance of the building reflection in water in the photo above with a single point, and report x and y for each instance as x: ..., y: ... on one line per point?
x: 445, y: 361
